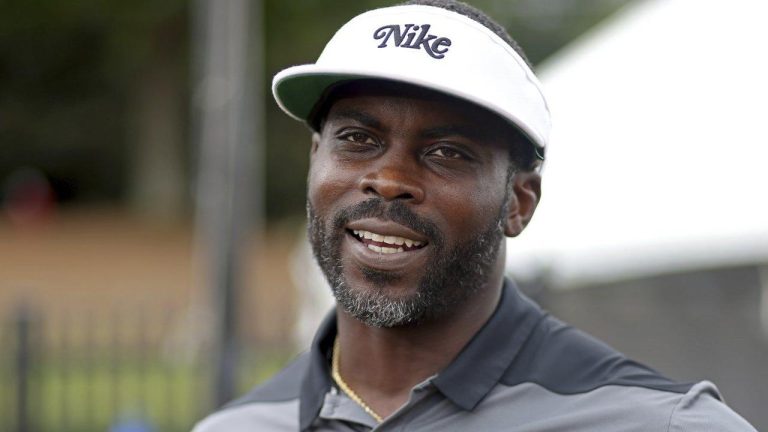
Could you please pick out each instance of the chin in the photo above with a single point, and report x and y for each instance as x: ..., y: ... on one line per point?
x: 379, y: 304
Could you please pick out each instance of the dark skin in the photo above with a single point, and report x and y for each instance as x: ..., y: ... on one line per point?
x: 448, y: 162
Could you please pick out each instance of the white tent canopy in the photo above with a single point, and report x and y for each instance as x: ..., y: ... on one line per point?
x: 659, y: 152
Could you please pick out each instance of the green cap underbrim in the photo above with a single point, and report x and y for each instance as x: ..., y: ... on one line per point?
x: 299, y: 94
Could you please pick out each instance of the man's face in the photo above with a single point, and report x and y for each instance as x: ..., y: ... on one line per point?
x: 408, y: 200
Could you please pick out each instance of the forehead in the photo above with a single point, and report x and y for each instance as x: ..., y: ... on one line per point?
x: 378, y: 95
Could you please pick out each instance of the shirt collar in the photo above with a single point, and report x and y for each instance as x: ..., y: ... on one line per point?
x: 482, y: 362
x: 317, y: 381
x: 466, y: 381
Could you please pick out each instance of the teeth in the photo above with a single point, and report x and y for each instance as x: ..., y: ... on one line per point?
x: 390, y: 240
x: 384, y: 250
x: 393, y: 240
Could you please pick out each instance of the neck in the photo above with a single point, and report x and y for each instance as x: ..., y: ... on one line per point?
x: 382, y: 364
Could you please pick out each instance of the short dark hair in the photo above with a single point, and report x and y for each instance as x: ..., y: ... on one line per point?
x: 477, y: 15
x: 523, y: 156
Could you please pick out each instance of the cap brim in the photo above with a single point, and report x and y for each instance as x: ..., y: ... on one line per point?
x: 298, y: 93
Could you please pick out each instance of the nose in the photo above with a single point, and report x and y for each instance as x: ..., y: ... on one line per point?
x: 393, y: 181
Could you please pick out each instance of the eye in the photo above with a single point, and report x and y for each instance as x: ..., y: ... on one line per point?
x: 358, y: 137
x: 447, y: 153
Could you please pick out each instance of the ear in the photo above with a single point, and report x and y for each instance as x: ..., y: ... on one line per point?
x: 525, y: 195
x: 315, y: 143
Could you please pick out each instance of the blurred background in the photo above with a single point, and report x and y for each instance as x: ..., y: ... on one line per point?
x: 152, y: 253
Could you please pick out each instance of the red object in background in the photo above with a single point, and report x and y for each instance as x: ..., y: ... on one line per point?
x: 28, y: 197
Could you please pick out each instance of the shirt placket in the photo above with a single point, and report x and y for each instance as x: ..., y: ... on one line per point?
x: 339, y: 407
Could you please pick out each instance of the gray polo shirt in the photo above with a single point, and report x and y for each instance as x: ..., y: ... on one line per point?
x: 524, y: 371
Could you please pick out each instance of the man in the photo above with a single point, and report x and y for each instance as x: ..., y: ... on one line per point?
x: 429, y: 129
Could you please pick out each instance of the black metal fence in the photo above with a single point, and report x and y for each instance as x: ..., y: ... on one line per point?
x: 118, y: 370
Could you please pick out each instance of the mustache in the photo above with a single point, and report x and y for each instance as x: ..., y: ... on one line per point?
x: 395, y: 211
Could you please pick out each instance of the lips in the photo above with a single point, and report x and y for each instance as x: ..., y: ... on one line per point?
x: 385, y: 236
x: 385, y: 245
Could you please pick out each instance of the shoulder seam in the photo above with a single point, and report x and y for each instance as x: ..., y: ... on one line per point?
x: 606, y: 384
x: 674, y: 410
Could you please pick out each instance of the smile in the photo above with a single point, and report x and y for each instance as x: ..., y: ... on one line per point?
x: 386, y: 244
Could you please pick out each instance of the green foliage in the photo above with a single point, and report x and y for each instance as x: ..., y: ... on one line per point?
x: 68, y: 70
x: 66, y: 73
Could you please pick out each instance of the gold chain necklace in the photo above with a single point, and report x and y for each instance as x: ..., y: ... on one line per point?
x: 344, y: 386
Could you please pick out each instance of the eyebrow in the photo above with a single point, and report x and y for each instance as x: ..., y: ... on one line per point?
x: 359, y: 116
x: 470, y: 132
x: 467, y: 131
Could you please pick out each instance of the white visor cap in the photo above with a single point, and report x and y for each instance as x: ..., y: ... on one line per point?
x: 429, y: 47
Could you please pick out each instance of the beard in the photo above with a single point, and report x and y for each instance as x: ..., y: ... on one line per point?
x: 451, y: 276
